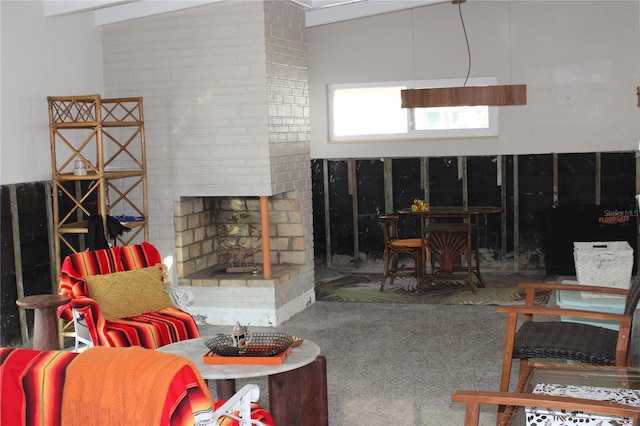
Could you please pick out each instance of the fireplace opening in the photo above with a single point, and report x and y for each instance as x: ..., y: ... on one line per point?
x: 220, y: 241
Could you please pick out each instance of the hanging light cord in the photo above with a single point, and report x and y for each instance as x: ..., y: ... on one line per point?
x: 464, y: 28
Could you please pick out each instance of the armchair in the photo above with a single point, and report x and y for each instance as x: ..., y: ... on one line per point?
x: 149, y: 329
x: 567, y: 340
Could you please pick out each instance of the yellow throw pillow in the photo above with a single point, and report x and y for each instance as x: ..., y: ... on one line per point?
x: 129, y: 293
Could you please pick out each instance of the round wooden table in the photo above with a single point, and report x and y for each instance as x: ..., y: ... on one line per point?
x: 45, y: 320
x: 297, y: 387
x: 225, y: 375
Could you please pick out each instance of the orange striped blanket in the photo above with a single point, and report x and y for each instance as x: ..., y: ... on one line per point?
x: 115, y: 386
x: 31, y: 385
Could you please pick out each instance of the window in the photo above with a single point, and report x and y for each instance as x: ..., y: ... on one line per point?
x: 371, y: 111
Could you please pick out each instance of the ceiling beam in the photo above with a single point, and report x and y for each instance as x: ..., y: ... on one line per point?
x: 144, y: 8
x: 361, y: 9
x: 67, y: 7
x: 319, y: 12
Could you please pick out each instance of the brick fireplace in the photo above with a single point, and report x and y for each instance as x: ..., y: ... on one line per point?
x: 225, y: 90
x: 210, y: 230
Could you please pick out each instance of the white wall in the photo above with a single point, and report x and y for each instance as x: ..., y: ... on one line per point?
x: 40, y: 57
x: 579, y: 59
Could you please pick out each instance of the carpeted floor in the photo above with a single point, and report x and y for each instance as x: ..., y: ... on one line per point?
x: 364, y: 287
x: 390, y: 364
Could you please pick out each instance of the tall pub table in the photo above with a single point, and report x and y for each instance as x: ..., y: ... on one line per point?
x: 450, y: 234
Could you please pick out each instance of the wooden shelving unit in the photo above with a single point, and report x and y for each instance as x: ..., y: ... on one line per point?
x: 107, y: 135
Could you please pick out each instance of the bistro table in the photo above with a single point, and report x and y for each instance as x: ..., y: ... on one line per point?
x: 448, y: 233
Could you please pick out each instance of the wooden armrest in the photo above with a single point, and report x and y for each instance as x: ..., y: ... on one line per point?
x: 473, y: 399
x: 573, y: 287
x: 553, y: 311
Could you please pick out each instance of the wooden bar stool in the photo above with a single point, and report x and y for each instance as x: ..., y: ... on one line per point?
x: 395, y: 247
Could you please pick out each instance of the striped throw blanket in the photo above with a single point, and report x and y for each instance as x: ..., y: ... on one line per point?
x: 115, y: 386
x: 31, y: 386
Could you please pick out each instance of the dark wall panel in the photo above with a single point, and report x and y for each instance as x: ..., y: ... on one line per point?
x: 9, y: 326
x: 482, y: 176
x: 535, y: 194
x: 406, y: 184
x: 483, y: 190
x: 370, y: 188
x: 618, y: 181
x: 340, y: 209
x: 34, y: 238
x: 445, y: 185
x: 31, y: 205
x: 319, y: 231
x: 509, y: 183
x: 576, y: 179
x: 526, y: 183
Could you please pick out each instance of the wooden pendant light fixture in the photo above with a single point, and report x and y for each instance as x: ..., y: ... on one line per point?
x: 514, y: 94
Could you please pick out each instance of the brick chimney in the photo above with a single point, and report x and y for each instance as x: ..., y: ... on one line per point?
x: 226, y: 106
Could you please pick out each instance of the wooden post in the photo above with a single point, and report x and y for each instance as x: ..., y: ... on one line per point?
x: 353, y: 191
x: 17, y: 256
x: 327, y: 212
x: 266, y: 242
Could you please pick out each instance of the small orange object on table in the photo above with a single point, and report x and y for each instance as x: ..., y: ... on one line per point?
x: 45, y: 322
x: 213, y: 358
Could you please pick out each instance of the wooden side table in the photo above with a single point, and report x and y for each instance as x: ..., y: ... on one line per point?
x: 45, y: 321
x: 299, y: 397
x: 570, y: 374
x: 563, y: 408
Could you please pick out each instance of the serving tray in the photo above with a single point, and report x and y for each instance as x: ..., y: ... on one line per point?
x: 213, y: 358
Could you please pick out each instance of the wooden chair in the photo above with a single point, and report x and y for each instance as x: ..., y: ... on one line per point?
x: 395, y: 247
x: 473, y: 400
x: 449, y: 238
x: 582, y: 342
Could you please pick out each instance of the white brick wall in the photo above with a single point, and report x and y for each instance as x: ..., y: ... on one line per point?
x: 225, y: 102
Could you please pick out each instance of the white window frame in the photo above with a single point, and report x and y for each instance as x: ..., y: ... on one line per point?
x: 411, y: 133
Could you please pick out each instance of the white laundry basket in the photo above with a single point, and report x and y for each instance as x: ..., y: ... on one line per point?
x: 603, y: 263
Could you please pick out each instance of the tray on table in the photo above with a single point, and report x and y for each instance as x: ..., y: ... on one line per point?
x: 263, y: 348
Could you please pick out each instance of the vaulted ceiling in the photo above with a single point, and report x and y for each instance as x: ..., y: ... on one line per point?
x: 319, y: 12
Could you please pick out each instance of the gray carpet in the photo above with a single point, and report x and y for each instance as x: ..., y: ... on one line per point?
x: 390, y: 364
x: 398, y: 364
